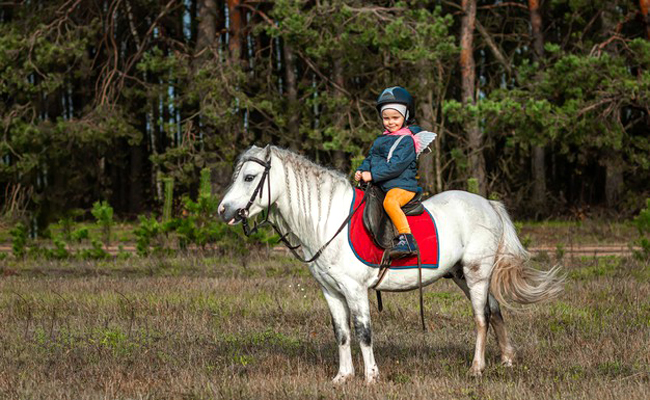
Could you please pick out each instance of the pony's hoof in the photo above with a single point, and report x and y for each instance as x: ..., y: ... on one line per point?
x: 475, y: 372
x: 372, y: 378
x: 340, y: 379
x: 507, y: 358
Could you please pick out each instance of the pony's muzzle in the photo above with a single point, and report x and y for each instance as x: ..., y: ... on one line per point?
x: 229, y: 214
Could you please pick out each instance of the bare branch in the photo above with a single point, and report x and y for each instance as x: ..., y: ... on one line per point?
x: 258, y: 12
x: 507, y: 4
x: 317, y: 71
x: 493, y: 46
x: 134, y: 32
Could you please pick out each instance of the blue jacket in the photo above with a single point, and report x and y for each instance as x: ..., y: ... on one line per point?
x: 400, y: 171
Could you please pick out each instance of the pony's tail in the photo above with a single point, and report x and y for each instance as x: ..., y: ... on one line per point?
x: 513, y: 277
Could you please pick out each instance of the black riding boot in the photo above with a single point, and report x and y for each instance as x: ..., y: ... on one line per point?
x: 405, y: 246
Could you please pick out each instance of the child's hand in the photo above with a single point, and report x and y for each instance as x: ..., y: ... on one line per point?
x: 366, y: 176
x: 357, y: 176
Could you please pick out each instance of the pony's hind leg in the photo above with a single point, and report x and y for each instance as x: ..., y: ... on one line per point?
x: 474, y: 280
x: 478, y: 292
x: 493, y: 314
x: 499, y: 326
x: 341, y: 324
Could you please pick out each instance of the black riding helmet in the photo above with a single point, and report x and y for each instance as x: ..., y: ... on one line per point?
x: 398, y: 94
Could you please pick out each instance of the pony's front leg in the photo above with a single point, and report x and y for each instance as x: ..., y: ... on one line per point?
x: 341, y: 324
x: 360, y: 306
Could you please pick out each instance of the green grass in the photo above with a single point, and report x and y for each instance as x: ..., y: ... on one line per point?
x: 576, y: 232
x: 122, y: 232
x: 531, y: 232
x: 214, y: 328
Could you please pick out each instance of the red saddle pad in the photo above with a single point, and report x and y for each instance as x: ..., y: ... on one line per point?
x: 422, y: 226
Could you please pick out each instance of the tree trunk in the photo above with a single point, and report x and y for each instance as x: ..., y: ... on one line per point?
x: 293, y: 128
x: 426, y: 170
x: 613, y: 180
x: 536, y: 26
x: 613, y: 159
x: 538, y: 167
x: 156, y: 147
x: 340, y: 161
x: 235, y: 50
x: 207, y: 30
x: 538, y: 164
x: 234, y: 42
x: 206, y: 39
x: 468, y: 74
x: 645, y: 8
x: 135, y: 179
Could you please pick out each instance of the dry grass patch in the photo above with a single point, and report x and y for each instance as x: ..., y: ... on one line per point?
x: 261, y: 329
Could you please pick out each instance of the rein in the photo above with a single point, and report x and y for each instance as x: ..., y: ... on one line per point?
x: 242, y: 214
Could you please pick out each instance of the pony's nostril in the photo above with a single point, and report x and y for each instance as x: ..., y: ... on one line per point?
x: 222, y: 209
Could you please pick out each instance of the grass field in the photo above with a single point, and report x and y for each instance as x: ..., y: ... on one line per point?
x: 200, y: 327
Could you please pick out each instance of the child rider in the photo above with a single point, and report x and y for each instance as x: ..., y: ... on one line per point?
x: 391, y: 163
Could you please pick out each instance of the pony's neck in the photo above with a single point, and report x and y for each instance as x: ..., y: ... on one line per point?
x: 312, y: 201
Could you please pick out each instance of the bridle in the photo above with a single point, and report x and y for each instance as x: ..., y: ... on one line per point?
x: 242, y: 214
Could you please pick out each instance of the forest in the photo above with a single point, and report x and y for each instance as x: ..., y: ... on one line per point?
x: 121, y: 122
x: 543, y: 104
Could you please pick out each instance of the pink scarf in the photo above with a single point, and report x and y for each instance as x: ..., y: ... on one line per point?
x: 405, y: 131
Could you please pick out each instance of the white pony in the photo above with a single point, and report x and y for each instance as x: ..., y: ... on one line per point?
x: 478, y: 249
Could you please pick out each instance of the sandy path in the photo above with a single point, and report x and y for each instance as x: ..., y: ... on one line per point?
x: 598, y: 250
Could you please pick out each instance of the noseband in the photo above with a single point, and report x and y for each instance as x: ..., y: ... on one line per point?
x: 242, y: 214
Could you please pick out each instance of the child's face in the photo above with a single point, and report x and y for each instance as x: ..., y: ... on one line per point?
x: 393, y: 120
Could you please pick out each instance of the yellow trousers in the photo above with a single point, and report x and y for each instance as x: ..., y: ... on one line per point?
x: 395, y: 199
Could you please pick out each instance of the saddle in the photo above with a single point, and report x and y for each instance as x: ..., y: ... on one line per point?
x: 377, y: 222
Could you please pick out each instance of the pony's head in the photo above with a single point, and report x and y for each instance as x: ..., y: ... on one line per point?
x: 248, y: 193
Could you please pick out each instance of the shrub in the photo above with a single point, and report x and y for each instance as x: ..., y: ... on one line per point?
x: 59, y: 251
x: 103, y: 213
x: 199, y: 224
x: 642, y: 223
x: 149, y: 231
x: 96, y: 252
x: 67, y: 223
x: 472, y: 185
x: 169, y: 199
x: 80, y: 234
x: 19, y: 240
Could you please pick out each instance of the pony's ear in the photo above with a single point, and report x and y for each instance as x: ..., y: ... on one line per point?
x: 253, y: 147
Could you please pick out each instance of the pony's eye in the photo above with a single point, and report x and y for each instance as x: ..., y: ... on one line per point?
x: 249, y: 178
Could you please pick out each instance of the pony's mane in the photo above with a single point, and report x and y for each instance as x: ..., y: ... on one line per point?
x: 306, y: 164
x: 310, y: 189
x: 294, y: 159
